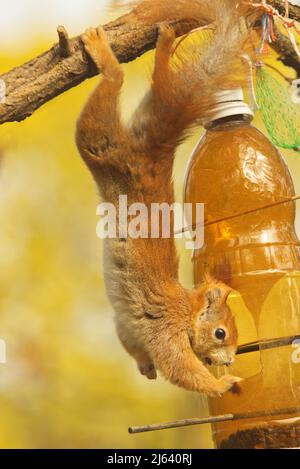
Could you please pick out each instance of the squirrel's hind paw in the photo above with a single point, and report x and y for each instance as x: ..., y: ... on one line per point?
x: 92, y: 38
x: 93, y: 43
x: 166, y: 39
x: 98, y: 48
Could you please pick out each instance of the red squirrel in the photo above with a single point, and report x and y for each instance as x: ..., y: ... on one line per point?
x: 162, y: 325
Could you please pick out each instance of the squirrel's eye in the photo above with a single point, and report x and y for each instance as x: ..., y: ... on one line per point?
x: 220, y: 334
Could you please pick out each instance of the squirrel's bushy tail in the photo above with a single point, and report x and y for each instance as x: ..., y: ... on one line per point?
x: 184, y: 91
x: 201, y: 11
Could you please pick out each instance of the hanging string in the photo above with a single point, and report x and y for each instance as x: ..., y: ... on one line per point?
x: 272, y: 32
x: 262, y: 45
x: 269, y: 13
x: 287, y: 8
x: 250, y: 79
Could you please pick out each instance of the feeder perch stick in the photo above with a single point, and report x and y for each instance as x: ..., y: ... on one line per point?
x: 215, y: 419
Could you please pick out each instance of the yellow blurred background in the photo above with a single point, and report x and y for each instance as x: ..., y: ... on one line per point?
x: 67, y: 382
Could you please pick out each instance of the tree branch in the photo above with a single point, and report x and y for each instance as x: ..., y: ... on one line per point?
x: 66, y: 64
x: 287, y: 55
x: 43, y: 78
x: 294, y: 11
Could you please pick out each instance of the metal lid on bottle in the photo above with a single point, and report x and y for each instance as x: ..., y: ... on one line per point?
x: 228, y: 103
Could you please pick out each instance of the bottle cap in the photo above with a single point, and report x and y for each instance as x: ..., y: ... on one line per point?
x: 228, y: 103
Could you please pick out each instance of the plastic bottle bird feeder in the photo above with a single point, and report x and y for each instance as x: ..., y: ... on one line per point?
x: 245, y: 184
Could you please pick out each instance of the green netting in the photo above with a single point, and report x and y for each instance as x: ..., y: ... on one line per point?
x: 280, y: 115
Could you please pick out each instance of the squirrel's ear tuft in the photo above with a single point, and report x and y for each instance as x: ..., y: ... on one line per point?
x: 215, y: 298
x: 213, y: 295
x: 216, y: 290
x: 217, y: 294
x: 209, y: 299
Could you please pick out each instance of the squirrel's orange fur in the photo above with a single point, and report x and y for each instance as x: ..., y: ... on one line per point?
x: 162, y: 325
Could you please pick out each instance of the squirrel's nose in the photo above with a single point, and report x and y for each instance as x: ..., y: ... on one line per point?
x: 229, y: 362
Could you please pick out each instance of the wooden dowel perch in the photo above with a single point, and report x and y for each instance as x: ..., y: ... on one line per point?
x: 215, y: 419
x: 66, y: 64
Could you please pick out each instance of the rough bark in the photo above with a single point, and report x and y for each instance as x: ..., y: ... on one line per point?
x: 294, y: 11
x: 65, y: 65
x: 43, y: 78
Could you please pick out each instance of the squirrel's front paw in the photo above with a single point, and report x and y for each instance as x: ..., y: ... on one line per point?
x: 148, y: 370
x: 226, y: 383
